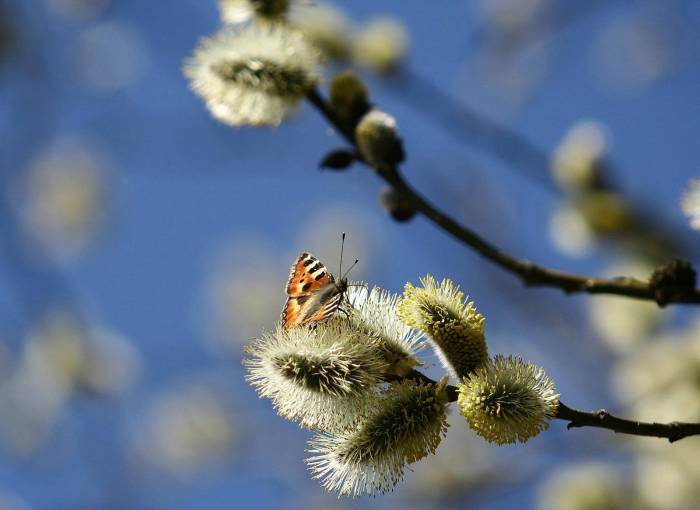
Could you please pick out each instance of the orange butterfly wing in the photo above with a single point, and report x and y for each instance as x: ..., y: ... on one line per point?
x: 306, y: 276
x: 292, y: 314
x: 326, y: 311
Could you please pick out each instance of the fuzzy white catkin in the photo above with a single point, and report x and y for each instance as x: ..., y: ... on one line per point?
x: 407, y: 426
x: 241, y: 11
x: 254, y: 75
x: 323, y: 378
x: 374, y: 312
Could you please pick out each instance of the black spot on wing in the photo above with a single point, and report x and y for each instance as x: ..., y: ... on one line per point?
x: 306, y: 286
x: 319, y: 276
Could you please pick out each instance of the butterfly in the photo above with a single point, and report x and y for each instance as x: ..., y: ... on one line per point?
x: 313, y: 294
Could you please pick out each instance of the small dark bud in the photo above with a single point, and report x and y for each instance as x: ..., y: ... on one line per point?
x: 396, y: 204
x: 672, y: 280
x: 339, y: 159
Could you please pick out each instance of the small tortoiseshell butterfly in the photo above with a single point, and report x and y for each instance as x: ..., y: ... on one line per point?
x: 313, y: 293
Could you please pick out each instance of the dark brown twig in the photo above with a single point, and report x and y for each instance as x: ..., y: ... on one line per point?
x: 602, y: 419
x: 529, y: 273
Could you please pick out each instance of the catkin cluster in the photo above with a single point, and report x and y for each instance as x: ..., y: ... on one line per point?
x: 353, y: 380
x: 347, y: 380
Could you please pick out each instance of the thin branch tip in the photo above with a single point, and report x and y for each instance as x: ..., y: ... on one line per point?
x: 673, y: 431
x: 531, y: 274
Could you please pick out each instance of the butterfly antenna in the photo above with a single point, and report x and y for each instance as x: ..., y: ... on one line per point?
x: 349, y: 269
x: 342, y: 245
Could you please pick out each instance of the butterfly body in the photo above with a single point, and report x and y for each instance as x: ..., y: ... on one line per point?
x: 313, y: 293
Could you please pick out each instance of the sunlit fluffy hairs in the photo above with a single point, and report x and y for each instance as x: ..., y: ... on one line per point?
x: 240, y: 11
x: 374, y: 313
x: 690, y: 203
x: 451, y: 322
x: 324, y: 377
x: 370, y: 459
x: 254, y: 75
x: 508, y: 400
x: 325, y: 27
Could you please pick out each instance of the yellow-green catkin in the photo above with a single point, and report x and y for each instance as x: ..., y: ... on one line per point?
x: 452, y: 323
x: 349, y: 97
x: 507, y: 400
x: 381, y: 46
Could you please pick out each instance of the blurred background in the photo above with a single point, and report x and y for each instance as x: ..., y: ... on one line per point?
x: 143, y: 244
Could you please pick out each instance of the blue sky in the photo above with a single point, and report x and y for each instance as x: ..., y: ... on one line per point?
x: 183, y: 190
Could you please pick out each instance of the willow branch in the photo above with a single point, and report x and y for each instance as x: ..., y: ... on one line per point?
x: 601, y: 419
x: 529, y: 273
